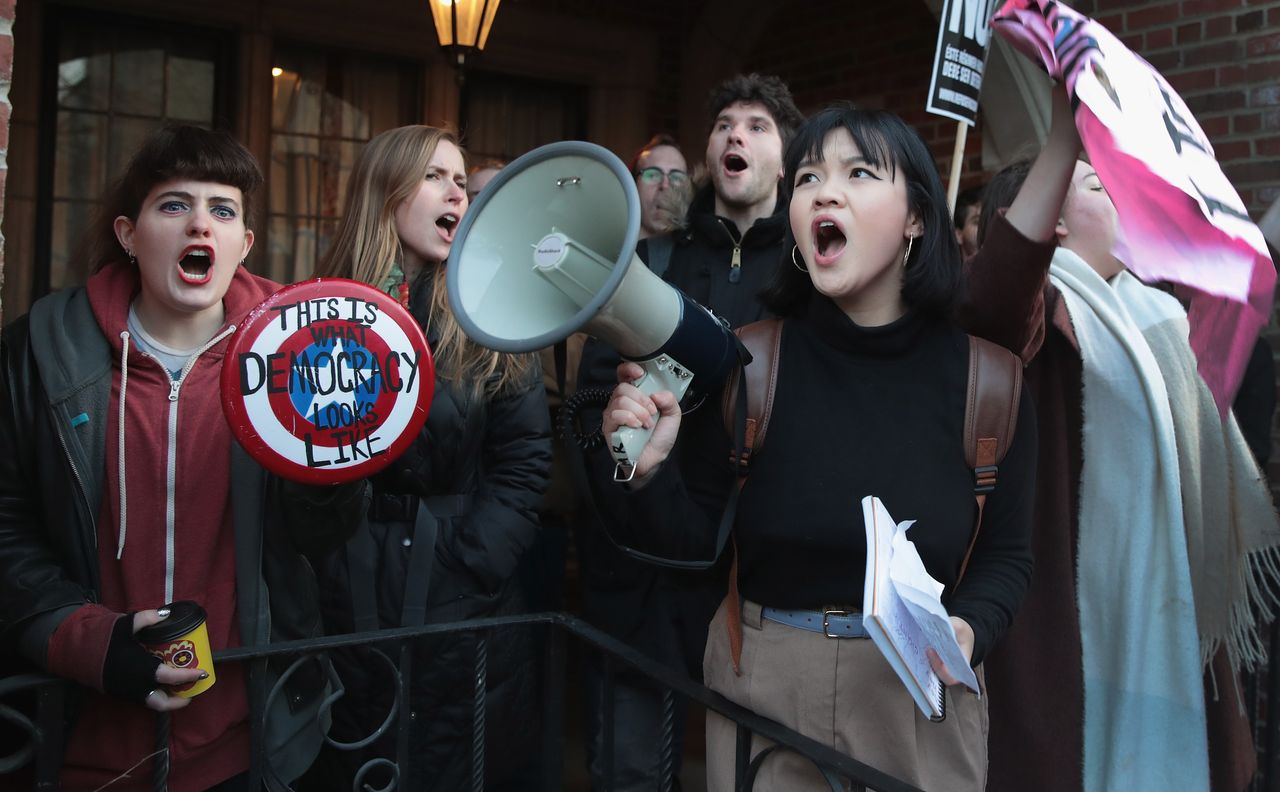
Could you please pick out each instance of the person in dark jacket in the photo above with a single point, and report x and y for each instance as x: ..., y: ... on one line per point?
x: 122, y: 489
x: 451, y: 518
x: 726, y: 253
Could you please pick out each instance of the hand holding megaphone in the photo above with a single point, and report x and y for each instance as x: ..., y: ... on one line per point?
x: 632, y: 416
x: 548, y: 249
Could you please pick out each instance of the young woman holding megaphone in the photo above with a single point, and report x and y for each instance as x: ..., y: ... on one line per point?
x: 452, y: 516
x: 868, y: 399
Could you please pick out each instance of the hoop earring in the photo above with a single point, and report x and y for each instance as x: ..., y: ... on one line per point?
x: 907, y: 255
x: 794, y: 250
x: 132, y: 258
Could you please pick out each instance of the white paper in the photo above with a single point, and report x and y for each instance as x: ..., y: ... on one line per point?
x: 923, y: 598
x: 903, y: 611
x: 887, y: 618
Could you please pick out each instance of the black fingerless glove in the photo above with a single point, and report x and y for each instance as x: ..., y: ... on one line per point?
x: 129, y: 671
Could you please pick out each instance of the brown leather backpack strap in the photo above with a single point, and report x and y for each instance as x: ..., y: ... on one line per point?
x: 762, y: 339
x: 733, y: 615
x: 990, y: 418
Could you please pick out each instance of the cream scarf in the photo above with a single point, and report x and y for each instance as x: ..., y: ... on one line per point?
x: 1171, y: 507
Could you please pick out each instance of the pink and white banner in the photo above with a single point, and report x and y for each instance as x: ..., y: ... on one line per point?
x: 1181, y: 221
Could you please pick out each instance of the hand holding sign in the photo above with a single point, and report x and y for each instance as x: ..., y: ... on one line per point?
x: 1181, y: 221
x: 327, y: 381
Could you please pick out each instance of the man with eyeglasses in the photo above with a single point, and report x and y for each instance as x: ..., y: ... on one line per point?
x: 722, y: 255
x: 662, y: 179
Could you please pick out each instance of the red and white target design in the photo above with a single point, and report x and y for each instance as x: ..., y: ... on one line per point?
x: 327, y: 381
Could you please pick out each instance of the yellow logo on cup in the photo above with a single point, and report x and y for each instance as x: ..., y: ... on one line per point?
x: 182, y: 641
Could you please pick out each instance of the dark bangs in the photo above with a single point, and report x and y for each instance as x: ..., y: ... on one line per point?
x: 860, y: 124
x: 885, y: 141
x: 188, y: 152
x: 171, y: 152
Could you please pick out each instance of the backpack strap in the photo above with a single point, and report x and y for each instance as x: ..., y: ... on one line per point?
x: 748, y: 403
x: 762, y: 339
x: 990, y: 418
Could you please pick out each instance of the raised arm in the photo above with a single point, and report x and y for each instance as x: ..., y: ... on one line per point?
x: 1003, y: 295
x: 1036, y: 209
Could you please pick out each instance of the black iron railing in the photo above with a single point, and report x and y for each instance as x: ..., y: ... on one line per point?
x: 41, y: 752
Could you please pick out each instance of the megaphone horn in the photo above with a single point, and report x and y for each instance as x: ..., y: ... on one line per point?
x: 548, y: 249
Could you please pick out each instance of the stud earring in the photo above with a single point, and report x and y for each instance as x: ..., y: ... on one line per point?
x: 907, y: 255
x: 794, y: 250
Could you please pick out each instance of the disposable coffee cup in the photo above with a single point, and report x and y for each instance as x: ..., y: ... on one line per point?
x: 182, y: 641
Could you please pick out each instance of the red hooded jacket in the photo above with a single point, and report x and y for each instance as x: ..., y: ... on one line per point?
x: 177, y: 544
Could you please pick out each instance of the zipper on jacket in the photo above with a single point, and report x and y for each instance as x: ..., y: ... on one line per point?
x: 735, y: 261
x: 171, y: 455
x: 91, y: 519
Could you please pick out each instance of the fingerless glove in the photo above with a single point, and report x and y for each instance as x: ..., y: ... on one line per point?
x: 128, y: 671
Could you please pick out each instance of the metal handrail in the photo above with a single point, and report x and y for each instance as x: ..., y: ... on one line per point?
x: 45, y: 731
x: 832, y: 764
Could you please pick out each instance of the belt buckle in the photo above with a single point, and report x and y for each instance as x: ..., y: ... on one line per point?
x: 827, y: 613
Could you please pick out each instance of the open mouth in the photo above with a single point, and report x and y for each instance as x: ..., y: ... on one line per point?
x: 829, y: 239
x: 448, y: 223
x: 196, y: 265
x: 734, y: 163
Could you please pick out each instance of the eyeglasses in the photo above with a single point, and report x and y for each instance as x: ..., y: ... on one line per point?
x: 654, y: 174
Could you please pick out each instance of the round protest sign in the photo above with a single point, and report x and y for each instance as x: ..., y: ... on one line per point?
x: 327, y: 381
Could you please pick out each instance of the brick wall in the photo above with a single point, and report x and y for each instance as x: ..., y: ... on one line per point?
x: 878, y: 53
x: 7, y: 8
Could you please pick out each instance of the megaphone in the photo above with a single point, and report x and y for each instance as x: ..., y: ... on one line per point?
x: 548, y: 249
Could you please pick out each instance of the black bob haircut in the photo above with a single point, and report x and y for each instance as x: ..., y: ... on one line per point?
x: 933, y: 270
x: 175, y: 151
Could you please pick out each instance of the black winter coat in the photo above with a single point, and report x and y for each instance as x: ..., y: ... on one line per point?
x: 474, y: 479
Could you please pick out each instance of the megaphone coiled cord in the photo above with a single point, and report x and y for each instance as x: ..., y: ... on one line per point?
x: 567, y: 417
x: 567, y: 425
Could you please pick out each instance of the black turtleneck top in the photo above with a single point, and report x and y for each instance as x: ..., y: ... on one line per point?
x: 858, y: 411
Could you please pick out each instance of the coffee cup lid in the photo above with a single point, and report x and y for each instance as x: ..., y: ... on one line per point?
x: 184, y: 616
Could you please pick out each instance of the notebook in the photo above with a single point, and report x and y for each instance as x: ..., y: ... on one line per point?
x: 902, y: 611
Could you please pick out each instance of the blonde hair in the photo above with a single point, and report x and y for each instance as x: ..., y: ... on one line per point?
x: 367, y: 247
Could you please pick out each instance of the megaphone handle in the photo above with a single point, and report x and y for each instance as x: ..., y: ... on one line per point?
x: 661, y: 373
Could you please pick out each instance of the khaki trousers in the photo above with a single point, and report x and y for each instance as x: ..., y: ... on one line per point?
x: 841, y: 692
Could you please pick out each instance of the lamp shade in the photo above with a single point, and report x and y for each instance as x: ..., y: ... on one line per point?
x: 463, y: 24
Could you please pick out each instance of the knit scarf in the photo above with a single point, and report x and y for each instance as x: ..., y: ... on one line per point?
x: 1177, y: 536
x: 1230, y: 522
